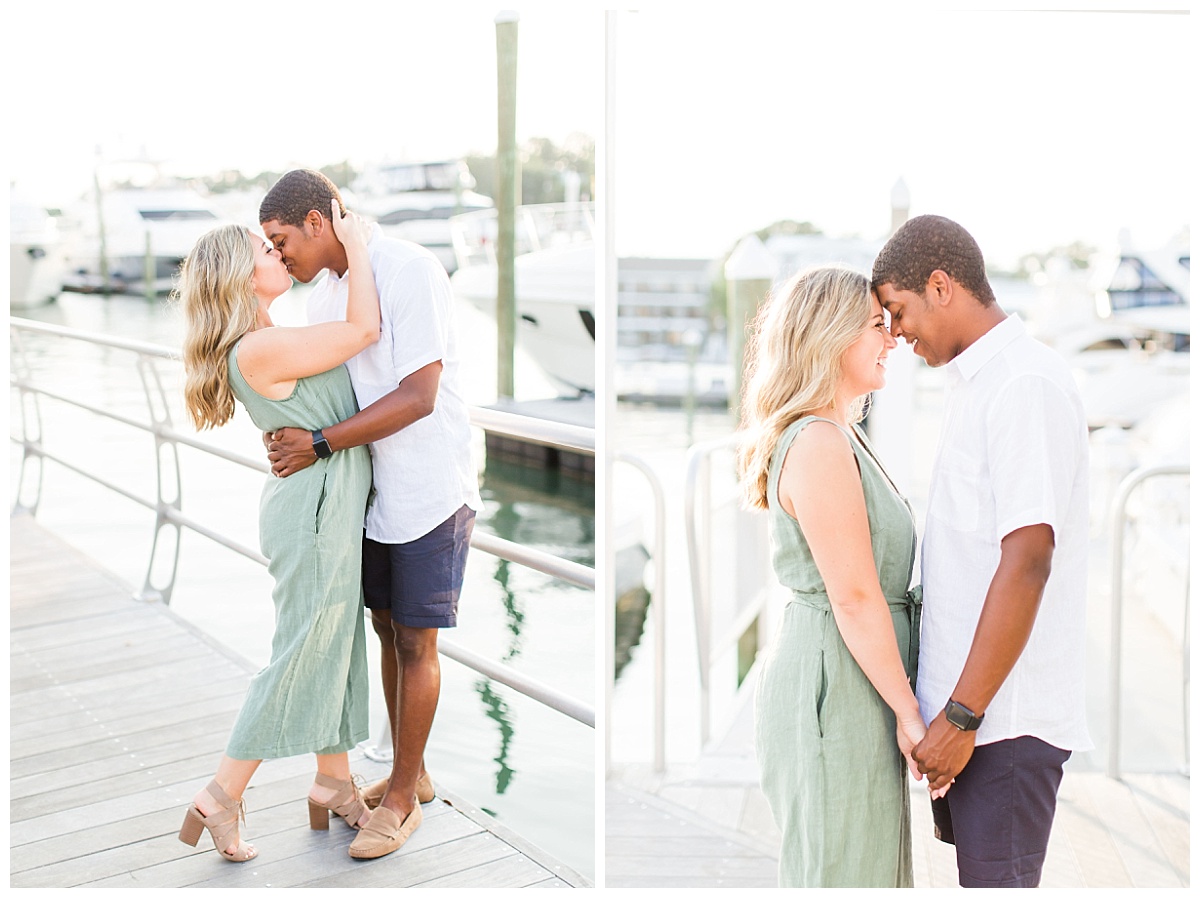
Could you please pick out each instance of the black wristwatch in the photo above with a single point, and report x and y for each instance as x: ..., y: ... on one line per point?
x: 962, y: 716
x: 321, y: 445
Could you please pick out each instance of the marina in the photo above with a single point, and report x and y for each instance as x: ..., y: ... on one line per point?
x: 117, y: 711
x: 683, y: 806
x: 688, y: 811
x: 489, y: 738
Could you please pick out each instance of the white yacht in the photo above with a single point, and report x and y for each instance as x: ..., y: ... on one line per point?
x: 414, y: 201
x: 35, y: 260
x: 1131, y: 352
x: 135, y: 229
x: 555, y: 273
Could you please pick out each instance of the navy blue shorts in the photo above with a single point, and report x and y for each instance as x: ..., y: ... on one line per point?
x: 420, y: 581
x: 997, y: 815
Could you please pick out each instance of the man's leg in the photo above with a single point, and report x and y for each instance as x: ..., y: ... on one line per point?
x: 1002, y: 805
x: 381, y: 620
x: 418, y: 684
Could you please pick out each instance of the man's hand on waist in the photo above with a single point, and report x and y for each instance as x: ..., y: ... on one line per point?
x: 290, y: 450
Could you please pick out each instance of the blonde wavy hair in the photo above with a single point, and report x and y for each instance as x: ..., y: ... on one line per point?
x: 216, y: 295
x: 794, y: 362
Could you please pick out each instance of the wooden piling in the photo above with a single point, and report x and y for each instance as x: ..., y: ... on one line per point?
x: 507, y: 198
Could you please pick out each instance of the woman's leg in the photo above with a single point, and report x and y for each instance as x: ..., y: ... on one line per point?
x: 337, y: 767
x: 232, y: 776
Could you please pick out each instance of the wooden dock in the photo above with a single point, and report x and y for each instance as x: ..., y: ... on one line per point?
x: 707, y: 824
x: 119, y: 711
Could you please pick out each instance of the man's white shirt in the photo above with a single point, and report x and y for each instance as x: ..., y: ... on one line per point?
x: 1013, y: 452
x: 424, y: 472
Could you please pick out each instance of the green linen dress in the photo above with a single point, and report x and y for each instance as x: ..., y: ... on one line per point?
x: 826, y: 741
x: 312, y: 695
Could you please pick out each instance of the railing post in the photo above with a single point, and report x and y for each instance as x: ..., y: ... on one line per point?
x: 1123, y: 492
x: 658, y: 607
x: 31, y: 420
x: 166, y: 455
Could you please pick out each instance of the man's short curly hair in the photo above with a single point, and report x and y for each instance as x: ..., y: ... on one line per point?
x: 297, y: 193
x: 926, y: 244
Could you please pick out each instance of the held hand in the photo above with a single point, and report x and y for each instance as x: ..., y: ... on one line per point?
x: 351, y: 229
x: 944, y: 752
x: 909, y: 734
x: 291, y: 450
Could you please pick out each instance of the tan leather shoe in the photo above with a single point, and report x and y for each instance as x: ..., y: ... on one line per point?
x: 374, y: 793
x: 384, y: 833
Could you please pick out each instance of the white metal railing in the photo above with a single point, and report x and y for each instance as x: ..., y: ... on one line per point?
x: 1119, y: 516
x: 658, y: 606
x: 750, y: 578
x: 167, y: 504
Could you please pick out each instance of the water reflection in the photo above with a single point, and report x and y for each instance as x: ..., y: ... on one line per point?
x: 548, y: 510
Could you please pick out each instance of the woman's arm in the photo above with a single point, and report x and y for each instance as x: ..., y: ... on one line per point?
x: 280, y: 355
x: 820, y: 486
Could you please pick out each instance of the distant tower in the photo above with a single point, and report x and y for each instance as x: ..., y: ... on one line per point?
x: 899, y: 205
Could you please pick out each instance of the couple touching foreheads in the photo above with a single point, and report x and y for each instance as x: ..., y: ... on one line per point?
x: 994, y: 706
x: 340, y: 524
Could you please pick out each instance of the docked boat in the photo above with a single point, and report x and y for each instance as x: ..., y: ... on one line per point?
x: 35, y: 255
x: 1131, y: 352
x: 134, y: 233
x: 415, y: 201
x: 555, y: 273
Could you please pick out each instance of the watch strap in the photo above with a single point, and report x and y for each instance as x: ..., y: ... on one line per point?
x: 962, y: 717
x: 321, y: 445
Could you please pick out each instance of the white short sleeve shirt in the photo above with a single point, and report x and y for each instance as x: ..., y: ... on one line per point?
x: 425, y: 472
x: 1013, y: 453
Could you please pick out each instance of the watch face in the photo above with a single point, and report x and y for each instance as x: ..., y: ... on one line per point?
x: 961, y: 717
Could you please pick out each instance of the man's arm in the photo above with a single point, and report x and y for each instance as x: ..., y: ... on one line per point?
x: 291, y: 450
x: 1009, y: 610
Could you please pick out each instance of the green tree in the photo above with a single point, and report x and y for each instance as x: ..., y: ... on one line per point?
x: 543, y: 165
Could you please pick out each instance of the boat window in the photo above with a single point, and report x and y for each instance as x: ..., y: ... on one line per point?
x: 402, y: 215
x: 1134, y: 285
x: 177, y: 214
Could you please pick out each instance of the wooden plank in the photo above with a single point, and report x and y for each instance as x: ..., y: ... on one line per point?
x: 174, y: 670
x: 513, y: 872
x: 204, y: 742
x: 124, y: 701
x: 118, y: 745
x: 275, y: 802
x: 1162, y: 803
x: 88, y: 732
x: 118, y: 715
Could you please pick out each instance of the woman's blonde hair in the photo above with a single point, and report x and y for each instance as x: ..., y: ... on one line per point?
x: 216, y: 294
x: 794, y: 362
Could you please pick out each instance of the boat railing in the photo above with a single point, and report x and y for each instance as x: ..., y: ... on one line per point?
x: 744, y: 566
x: 538, y: 226
x: 167, y: 504
x: 658, y: 610
x: 1120, y: 516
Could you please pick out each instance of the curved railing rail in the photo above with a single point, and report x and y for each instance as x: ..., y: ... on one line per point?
x: 658, y: 606
x: 167, y: 504
x: 698, y: 511
x: 1119, y: 516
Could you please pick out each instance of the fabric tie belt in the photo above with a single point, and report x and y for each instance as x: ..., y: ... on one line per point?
x: 909, y: 604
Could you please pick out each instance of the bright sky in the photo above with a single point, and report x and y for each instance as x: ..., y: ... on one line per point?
x: 207, y: 85
x: 1030, y: 129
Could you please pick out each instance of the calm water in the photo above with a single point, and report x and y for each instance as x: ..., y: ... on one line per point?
x: 530, y: 767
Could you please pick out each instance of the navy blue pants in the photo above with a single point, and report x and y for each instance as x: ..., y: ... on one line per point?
x: 998, y: 813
